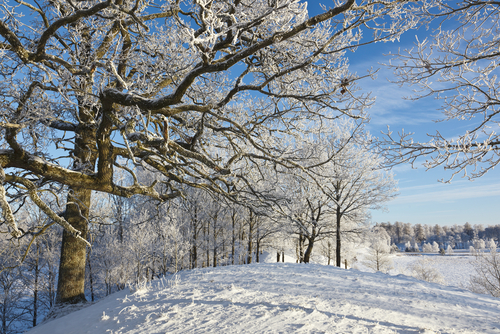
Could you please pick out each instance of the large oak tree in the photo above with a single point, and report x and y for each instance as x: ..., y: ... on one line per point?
x: 190, y: 89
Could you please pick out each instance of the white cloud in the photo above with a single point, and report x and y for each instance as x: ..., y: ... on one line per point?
x: 450, y: 194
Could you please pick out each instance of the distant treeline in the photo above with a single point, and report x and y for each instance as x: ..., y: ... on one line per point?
x: 457, y: 236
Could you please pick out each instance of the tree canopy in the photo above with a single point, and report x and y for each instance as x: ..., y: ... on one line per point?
x: 197, y: 91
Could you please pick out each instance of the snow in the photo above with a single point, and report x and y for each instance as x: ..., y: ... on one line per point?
x: 456, y: 270
x: 284, y: 298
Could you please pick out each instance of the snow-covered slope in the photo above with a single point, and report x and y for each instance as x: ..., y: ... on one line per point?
x: 285, y: 298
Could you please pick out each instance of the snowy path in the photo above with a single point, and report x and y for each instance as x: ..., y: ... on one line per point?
x: 285, y: 298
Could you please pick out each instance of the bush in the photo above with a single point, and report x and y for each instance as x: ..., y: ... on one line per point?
x: 487, y: 273
x: 423, y: 270
x: 427, y: 248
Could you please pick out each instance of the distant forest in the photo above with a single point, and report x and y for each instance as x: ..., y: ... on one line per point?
x: 456, y: 236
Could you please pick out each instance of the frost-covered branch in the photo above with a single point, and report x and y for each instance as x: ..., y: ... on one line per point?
x: 458, y: 66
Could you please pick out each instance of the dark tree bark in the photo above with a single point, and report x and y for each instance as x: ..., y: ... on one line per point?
x: 36, y: 287
x: 194, y: 248
x: 233, y: 240
x: 329, y: 252
x: 91, y: 278
x: 310, y: 245
x: 257, y: 250
x: 250, y: 238
x: 338, y: 238
x: 71, y: 281
x: 207, y: 242
x: 301, y: 247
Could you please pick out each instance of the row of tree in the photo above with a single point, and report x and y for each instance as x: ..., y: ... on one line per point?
x: 457, y: 236
x: 133, y: 240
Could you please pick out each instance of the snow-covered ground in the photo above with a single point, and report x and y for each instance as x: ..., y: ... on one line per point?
x: 285, y: 298
x: 456, y: 270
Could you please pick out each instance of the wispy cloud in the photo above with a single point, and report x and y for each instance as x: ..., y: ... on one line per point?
x: 448, y: 195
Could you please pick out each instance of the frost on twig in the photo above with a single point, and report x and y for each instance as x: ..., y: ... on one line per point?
x: 32, y: 191
x: 6, y: 210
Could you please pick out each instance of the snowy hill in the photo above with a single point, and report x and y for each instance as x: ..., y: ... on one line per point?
x: 284, y: 298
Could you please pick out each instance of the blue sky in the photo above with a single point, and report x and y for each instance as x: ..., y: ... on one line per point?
x: 422, y: 198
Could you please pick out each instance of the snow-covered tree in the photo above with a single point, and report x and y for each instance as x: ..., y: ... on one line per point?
x: 438, y: 231
x: 378, y: 257
x: 458, y: 64
x: 427, y: 248
x: 190, y: 89
x: 342, y: 182
x: 420, y: 233
x: 479, y: 244
x: 399, y: 232
x: 408, y: 231
x: 490, y: 243
x: 435, y: 247
x: 408, y: 247
x: 357, y: 184
x: 486, y: 278
x: 415, y: 247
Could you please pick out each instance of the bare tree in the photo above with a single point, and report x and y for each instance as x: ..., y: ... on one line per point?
x: 487, y: 273
x: 189, y: 89
x: 356, y: 182
x: 343, y: 179
x: 460, y: 66
x: 378, y: 257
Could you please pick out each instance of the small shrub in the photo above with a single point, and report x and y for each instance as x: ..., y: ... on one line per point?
x: 423, y: 270
x: 487, y: 273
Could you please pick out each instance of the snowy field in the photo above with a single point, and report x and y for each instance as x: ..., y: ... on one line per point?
x: 456, y: 270
x: 285, y: 298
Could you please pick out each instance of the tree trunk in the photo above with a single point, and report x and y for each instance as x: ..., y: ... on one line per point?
x: 257, y: 251
x: 51, y: 288
x: 301, y: 248
x: 71, y: 282
x: 257, y: 245
x: 297, y: 256
x: 308, y: 252
x: 194, y: 260
x: 377, y: 254
x: 207, y: 244
x: 233, y: 241
x: 91, y: 279
x: 250, y: 236
x: 215, y: 256
x: 194, y: 250
x: 329, y: 252
x: 35, y: 288
x: 3, y: 307
x: 337, y: 250
x: 215, y: 233
x: 71, y: 279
